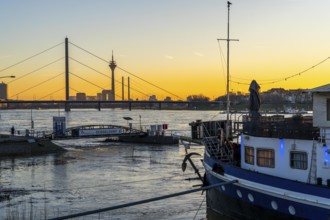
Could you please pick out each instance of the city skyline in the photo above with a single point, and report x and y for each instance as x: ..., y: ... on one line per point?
x: 173, y: 44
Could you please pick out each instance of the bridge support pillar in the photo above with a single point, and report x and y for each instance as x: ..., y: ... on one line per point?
x: 160, y: 106
x: 130, y: 106
x: 67, y: 107
x: 99, y: 106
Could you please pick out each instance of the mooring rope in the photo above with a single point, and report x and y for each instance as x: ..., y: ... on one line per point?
x: 143, y: 201
x: 199, y: 208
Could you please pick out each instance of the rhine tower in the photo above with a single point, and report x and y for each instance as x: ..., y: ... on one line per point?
x: 112, y: 66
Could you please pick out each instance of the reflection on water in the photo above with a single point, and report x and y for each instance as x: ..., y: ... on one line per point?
x: 93, y: 175
x: 88, y: 178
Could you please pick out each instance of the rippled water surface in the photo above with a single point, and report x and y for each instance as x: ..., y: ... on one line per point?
x: 94, y: 175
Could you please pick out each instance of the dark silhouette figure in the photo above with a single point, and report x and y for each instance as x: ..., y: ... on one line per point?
x: 254, y: 104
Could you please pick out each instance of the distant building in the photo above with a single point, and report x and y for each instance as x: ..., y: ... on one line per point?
x: 3, y: 91
x: 152, y: 98
x: 72, y: 98
x: 168, y: 99
x: 107, y: 95
x: 91, y: 98
x: 80, y: 96
x: 99, y: 96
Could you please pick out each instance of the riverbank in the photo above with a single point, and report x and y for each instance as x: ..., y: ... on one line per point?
x: 26, y: 146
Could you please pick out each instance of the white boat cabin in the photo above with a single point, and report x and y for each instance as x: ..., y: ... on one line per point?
x: 294, y: 148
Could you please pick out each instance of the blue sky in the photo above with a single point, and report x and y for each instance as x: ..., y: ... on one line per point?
x: 173, y: 42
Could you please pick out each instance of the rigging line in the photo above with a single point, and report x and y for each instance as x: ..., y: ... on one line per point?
x: 31, y: 57
x: 149, y: 82
x: 18, y: 78
x: 125, y: 70
x: 50, y: 94
x: 250, y: 79
x: 222, y: 58
x: 290, y: 76
x: 37, y: 84
x: 297, y: 74
x: 240, y: 83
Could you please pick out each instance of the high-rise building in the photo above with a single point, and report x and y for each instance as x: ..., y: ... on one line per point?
x: 3, y: 91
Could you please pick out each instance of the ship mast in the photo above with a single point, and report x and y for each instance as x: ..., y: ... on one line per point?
x: 227, y: 90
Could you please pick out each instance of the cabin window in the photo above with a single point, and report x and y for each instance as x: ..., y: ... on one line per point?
x: 298, y: 160
x: 249, y: 155
x: 265, y: 158
x: 328, y: 109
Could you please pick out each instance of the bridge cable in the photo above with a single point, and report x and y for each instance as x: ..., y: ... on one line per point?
x: 91, y: 83
x: 149, y: 82
x: 31, y: 57
x: 50, y: 94
x: 105, y: 75
x: 32, y: 87
x: 85, y: 65
x: 75, y: 90
x: 126, y: 71
x: 87, y: 81
x: 18, y: 78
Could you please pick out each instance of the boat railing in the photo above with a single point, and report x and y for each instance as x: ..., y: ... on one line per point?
x: 278, y: 126
x: 215, y: 142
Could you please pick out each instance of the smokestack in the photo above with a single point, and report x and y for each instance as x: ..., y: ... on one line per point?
x: 129, y: 89
x: 122, y: 88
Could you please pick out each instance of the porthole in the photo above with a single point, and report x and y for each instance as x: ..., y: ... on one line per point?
x: 251, y: 198
x: 223, y: 188
x: 292, y: 210
x: 274, y: 205
x: 239, y: 193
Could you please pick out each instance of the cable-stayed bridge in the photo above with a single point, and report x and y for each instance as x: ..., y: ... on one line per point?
x: 111, y: 91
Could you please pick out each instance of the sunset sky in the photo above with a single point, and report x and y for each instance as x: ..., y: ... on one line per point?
x: 170, y: 43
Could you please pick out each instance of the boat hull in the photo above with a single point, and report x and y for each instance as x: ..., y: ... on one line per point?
x: 249, y: 200
x: 223, y: 206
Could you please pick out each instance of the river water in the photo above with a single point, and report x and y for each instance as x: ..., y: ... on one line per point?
x: 93, y: 174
